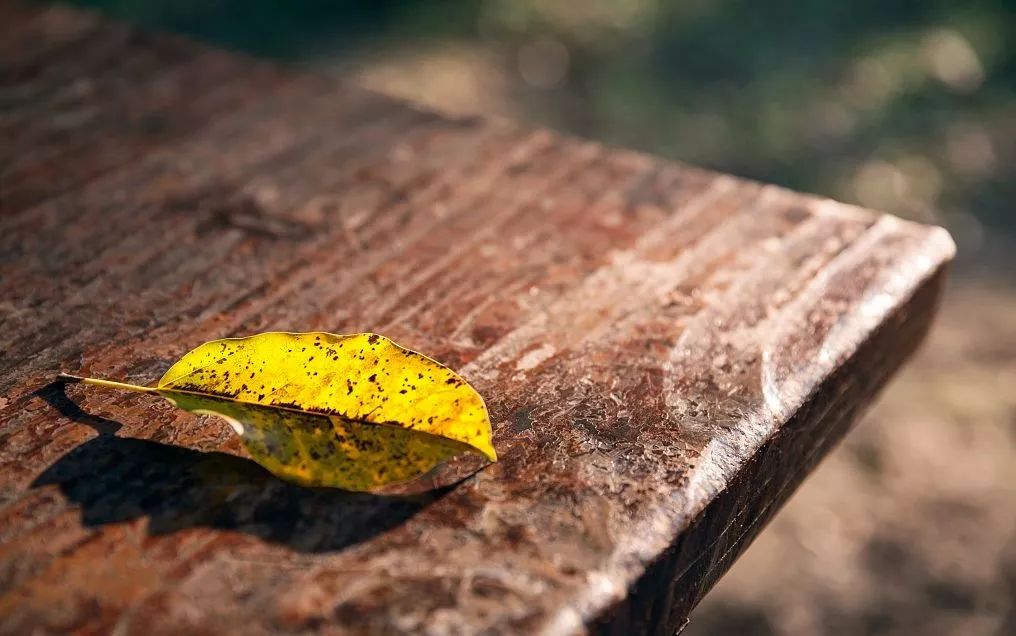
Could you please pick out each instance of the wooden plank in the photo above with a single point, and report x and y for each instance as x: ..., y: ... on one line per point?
x: 665, y: 351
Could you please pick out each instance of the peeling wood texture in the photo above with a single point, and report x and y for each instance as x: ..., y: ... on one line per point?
x: 666, y: 352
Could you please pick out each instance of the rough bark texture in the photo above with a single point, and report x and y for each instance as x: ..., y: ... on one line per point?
x: 665, y: 352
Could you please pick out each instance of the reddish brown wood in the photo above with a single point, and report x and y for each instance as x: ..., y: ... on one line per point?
x: 665, y: 351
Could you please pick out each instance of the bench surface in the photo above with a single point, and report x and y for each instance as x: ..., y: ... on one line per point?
x: 666, y: 352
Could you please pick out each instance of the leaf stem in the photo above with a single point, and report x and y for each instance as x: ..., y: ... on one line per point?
x: 109, y: 384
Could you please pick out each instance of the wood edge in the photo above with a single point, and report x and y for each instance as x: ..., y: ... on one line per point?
x: 705, y: 550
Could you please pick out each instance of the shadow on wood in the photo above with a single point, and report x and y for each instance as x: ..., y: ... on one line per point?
x: 116, y: 479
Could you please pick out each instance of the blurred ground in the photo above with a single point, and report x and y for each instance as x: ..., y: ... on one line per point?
x: 906, y: 106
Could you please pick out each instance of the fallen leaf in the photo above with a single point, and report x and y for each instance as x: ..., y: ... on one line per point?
x: 356, y: 411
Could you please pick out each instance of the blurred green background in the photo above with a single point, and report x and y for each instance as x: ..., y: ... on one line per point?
x: 907, y: 106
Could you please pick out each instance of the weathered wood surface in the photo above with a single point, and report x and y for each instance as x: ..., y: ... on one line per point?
x: 666, y: 352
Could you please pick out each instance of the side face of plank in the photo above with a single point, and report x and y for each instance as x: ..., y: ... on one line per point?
x: 664, y: 351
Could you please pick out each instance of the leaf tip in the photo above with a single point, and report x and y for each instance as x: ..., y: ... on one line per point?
x: 487, y: 450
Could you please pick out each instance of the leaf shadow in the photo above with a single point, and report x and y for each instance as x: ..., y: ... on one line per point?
x: 117, y: 479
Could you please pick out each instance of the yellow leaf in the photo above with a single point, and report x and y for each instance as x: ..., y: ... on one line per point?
x: 355, y: 412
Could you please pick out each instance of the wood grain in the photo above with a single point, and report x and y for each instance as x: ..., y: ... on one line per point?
x: 665, y: 351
